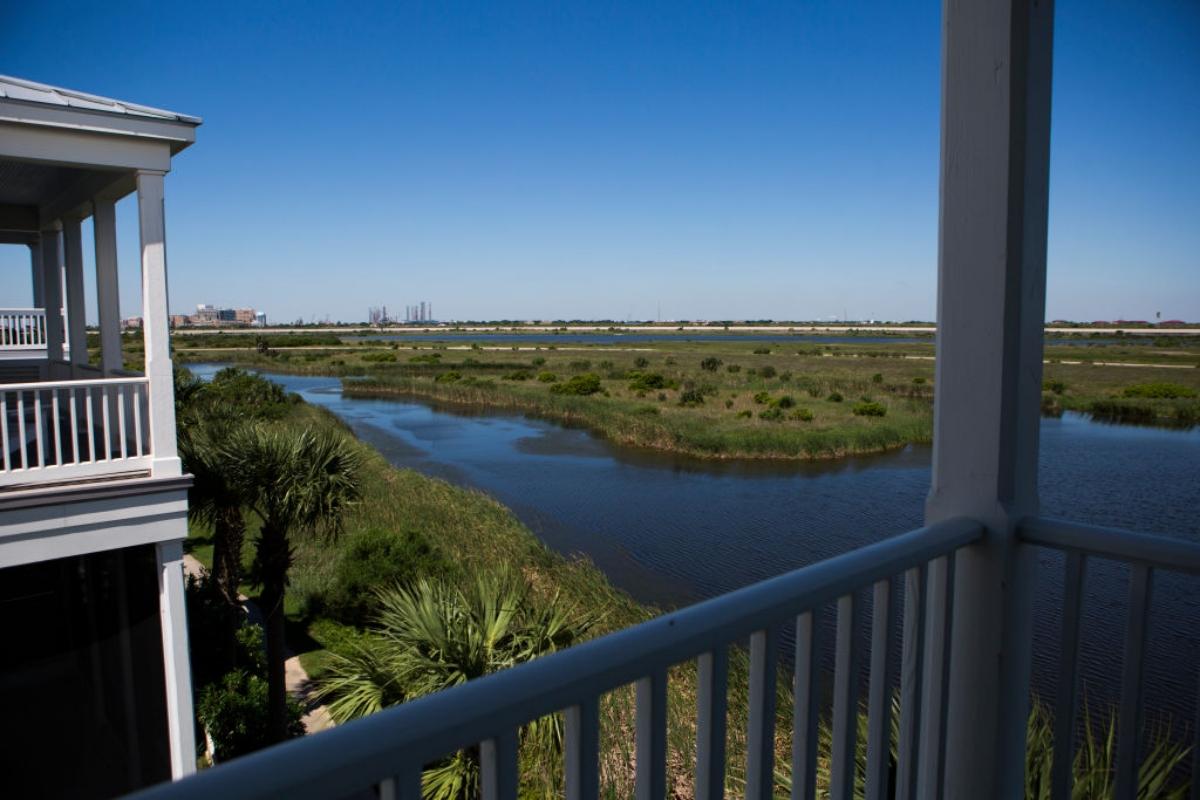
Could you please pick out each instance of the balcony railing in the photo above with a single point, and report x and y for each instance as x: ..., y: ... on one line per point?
x: 22, y: 329
x: 388, y: 750
x: 1144, y: 554
x: 72, y: 430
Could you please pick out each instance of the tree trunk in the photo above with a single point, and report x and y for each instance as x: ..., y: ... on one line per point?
x: 229, y: 531
x: 274, y: 563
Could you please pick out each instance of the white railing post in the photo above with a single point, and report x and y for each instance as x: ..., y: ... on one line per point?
x: 176, y: 670
x: 35, y: 273
x: 104, y: 226
x: 155, y: 323
x: 73, y: 258
x: 51, y: 251
x: 991, y: 308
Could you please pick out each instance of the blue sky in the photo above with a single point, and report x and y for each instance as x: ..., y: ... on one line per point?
x: 543, y: 160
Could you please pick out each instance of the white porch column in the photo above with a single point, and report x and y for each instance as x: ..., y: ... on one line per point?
x: 176, y: 668
x: 52, y: 293
x: 104, y: 225
x: 991, y: 309
x: 155, y: 323
x: 35, y: 273
x: 76, y: 306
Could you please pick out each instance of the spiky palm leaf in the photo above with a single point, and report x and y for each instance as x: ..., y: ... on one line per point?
x: 435, y: 635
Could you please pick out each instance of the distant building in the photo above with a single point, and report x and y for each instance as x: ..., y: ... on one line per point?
x: 131, y: 323
x: 179, y: 320
x: 260, y: 319
x: 244, y: 316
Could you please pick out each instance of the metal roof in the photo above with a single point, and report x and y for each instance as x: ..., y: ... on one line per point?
x: 31, y: 92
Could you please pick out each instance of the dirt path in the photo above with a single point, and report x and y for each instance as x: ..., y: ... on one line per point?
x: 316, y: 717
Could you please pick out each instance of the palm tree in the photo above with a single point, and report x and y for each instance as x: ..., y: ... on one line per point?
x: 297, y: 483
x: 435, y: 635
x: 216, y: 498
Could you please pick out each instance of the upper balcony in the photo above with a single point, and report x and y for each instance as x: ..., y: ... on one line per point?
x: 65, y: 157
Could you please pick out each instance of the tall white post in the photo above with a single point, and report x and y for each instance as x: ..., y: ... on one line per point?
x: 52, y: 293
x: 104, y: 226
x: 76, y: 306
x: 156, y: 324
x: 176, y: 668
x: 991, y: 308
x: 35, y: 273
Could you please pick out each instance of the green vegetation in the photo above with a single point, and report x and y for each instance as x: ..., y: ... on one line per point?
x: 703, y: 389
x: 430, y: 585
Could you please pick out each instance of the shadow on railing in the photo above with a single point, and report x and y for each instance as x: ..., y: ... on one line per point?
x: 387, y: 751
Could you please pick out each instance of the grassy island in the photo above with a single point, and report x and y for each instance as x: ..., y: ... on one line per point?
x: 734, y: 399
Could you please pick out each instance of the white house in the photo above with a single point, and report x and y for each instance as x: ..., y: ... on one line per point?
x: 93, y: 503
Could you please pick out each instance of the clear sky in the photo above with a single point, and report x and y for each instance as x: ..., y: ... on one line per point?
x: 608, y: 159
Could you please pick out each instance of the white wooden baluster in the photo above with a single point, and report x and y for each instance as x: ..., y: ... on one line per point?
x: 498, y: 767
x: 91, y: 425
x: 845, y: 700
x: 760, y: 736
x: 57, y: 426
x: 4, y: 427
x: 933, y: 681
x: 1129, y: 726
x: 910, y: 683
x: 650, y: 783
x: 406, y: 786
x: 137, y: 419
x: 806, y: 699
x: 1068, y: 667
x: 712, y: 701
x: 879, y: 698
x: 37, y: 428
x: 24, y: 445
x: 581, y: 740
x: 121, y: 420
x: 74, y: 415
x: 104, y: 399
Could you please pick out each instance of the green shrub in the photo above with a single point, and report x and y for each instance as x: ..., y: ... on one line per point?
x: 1158, y: 391
x: 711, y: 364
x: 234, y: 712
x: 518, y: 375
x: 801, y: 414
x: 767, y: 372
x: 427, y: 358
x: 641, y: 362
x: 762, y: 351
x: 547, y: 377
x: 745, y: 413
x: 918, y: 380
x: 448, y: 377
x: 691, y: 397
x: 870, y: 409
x: 762, y: 398
x: 585, y: 384
x: 733, y: 368
x: 379, y: 357
x: 729, y: 404
x: 539, y: 361
x: 835, y: 397
x: 605, y: 364
x: 644, y: 382
x: 1058, y: 387
x: 772, y: 415
x: 783, y: 402
x: 373, y: 559
x: 877, y: 377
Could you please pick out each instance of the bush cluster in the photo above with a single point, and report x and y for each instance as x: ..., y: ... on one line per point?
x: 379, y: 357
x: 646, y: 381
x: 585, y: 384
x: 448, y: 377
x: 372, y: 559
x: 1158, y: 391
x: 870, y: 409
x: 547, y: 377
x: 711, y: 364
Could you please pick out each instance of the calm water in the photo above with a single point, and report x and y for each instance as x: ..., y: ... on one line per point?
x: 671, y: 530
